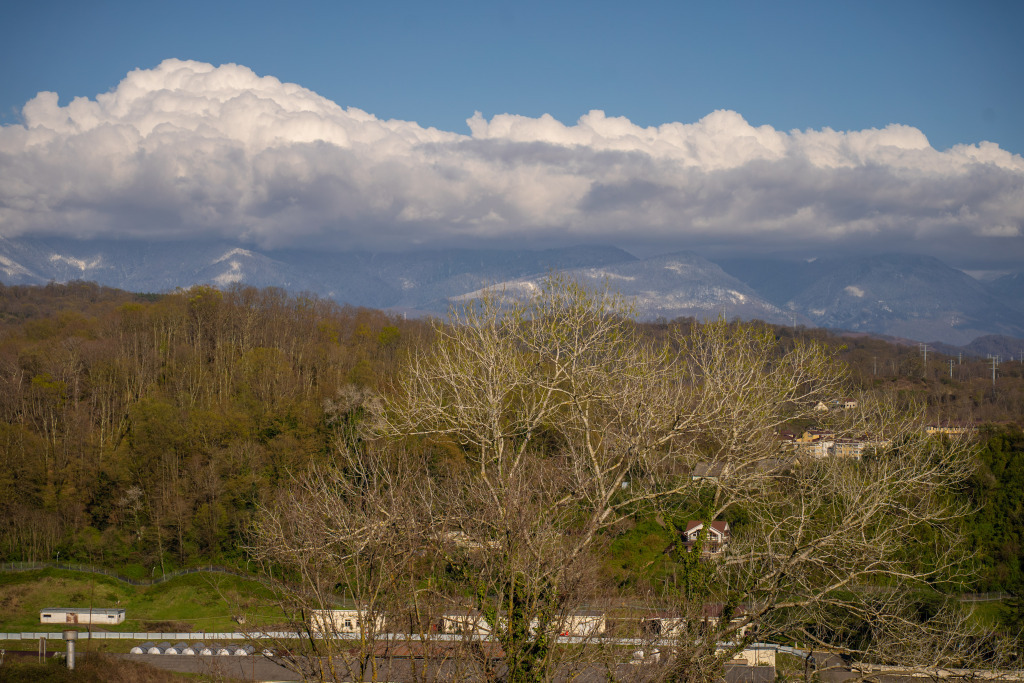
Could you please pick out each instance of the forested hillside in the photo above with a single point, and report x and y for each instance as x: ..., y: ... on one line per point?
x: 142, y: 430
x: 997, y: 527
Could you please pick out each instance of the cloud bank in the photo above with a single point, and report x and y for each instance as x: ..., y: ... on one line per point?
x: 188, y: 150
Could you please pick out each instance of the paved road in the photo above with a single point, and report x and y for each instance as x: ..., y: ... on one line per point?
x: 401, y: 670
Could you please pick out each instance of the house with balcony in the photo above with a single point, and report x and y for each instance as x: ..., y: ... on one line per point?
x: 712, y: 538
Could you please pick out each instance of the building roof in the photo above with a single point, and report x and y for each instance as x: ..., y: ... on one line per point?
x: 718, y: 525
x: 708, y: 469
x: 79, y: 610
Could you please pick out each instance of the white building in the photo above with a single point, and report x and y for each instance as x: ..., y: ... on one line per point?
x: 80, y: 615
x: 343, y: 621
x: 465, y: 622
x: 716, y: 538
x: 472, y: 622
x: 587, y: 623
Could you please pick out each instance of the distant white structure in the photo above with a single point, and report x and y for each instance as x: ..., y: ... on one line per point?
x: 80, y: 615
x: 339, y: 621
x: 196, y: 648
x: 757, y: 656
x: 674, y: 625
x: 586, y: 623
x: 473, y: 623
x: 465, y: 622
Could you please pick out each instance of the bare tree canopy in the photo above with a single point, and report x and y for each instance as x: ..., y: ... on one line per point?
x: 565, y: 421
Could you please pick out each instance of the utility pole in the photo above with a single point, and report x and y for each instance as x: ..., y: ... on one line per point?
x: 995, y: 364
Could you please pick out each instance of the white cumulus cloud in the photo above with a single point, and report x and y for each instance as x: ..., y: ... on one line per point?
x: 189, y: 150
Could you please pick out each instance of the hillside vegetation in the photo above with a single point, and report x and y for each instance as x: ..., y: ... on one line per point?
x: 142, y: 431
x: 198, y: 602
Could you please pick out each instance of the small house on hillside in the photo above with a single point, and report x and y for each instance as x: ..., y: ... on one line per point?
x: 711, y: 615
x: 949, y: 428
x: 80, y: 615
x: 709, y: 471
x: 849, y: 448
x: 816, y: 443
x: 714, y: 539
x: 835, y: 404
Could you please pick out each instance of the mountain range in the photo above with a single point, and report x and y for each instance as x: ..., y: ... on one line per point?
x: 907, y: 296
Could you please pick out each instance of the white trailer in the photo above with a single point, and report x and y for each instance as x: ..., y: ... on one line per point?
x: 343, y: 621
x: 80, y: 615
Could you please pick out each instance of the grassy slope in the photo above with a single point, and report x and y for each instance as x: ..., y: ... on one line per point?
x: 196, y: 602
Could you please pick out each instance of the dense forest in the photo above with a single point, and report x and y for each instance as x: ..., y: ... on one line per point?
x: 141, y: 431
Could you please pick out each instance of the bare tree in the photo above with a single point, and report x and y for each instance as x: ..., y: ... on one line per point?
x: 837, y: 554
x: 564, y: 419
x: 563, y: 404
x: 345, y: 539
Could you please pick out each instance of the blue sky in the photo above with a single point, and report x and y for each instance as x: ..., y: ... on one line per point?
x: 873, y: 126
x: 955, y: 70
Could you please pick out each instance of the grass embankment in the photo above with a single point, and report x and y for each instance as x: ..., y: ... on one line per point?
x: 195, y: 602
x: 94, y: 669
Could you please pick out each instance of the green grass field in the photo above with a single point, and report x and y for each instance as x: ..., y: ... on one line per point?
x: 196, y: 602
